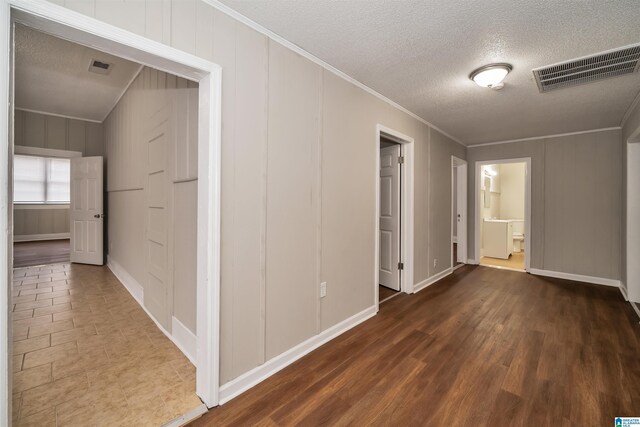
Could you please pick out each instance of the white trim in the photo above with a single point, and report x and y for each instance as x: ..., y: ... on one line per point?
x: 75, y: 27
x: 249, y: 379
x: 407, y: 201
x: 473, y: 262
x: 457, y: 266
x: 135, y: 289
x: 635, y: 307
x: 39, y: 237
x: 527, y: 207
x: 39, y: 206
x: 6, y: 256
x: 45, y: 152
x: 461, y: 188
x: 64, y: 116
x: 431, y: 280
x: 533, y: 138
x: 84, y: 30
x: 186, y: 340
x: 137, y: 292
x: 300, y: 51
x: 185, y: 419
x: 623, y: 291
x: 627, y: 114
x: 126, y: 88
x: 576, y: 277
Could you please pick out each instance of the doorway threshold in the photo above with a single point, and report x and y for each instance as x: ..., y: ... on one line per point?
x: 186, y: 418
x: 499, y: 267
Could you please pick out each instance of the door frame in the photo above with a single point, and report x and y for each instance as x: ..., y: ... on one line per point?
x: 461, y: 235
x: 78, y: 28
x: 406, y: 207
x: 527, y: 206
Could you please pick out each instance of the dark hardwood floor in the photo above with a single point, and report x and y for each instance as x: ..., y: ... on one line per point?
x: 26, y: 254
x: 384, y: 293
x: 482, y: 347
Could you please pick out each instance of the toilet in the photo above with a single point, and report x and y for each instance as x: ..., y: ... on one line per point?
x: 518, y: 235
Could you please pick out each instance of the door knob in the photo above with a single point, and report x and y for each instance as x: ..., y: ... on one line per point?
x: 98, y: 216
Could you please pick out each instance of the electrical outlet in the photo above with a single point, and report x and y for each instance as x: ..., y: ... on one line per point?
x: 435, y: 262
x: 323, y: 289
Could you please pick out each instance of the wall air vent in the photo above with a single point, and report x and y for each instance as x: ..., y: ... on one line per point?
x: 588, y: 69
x: 100, y: 67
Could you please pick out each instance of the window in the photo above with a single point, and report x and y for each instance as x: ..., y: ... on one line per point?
x: 41, y: 180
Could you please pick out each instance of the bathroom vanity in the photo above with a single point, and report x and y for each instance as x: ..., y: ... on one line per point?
x: 497, y: 240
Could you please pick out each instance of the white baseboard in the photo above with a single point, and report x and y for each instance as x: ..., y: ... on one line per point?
x: 431, y: 280
x: 623, y: 291
x: 39, y: 237
x: 473, y: 262
x: 635, y: 307
x: 249, y: 379
x: 135, y: 289
x: 576, y: 277
x: 186, y: 340
x: 137, y: 292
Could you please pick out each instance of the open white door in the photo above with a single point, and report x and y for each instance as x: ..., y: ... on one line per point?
x: 87, y: 216
x: 461, y: 215
x: 390, y: 217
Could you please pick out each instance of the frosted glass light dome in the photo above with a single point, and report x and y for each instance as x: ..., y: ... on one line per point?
x: 491, y: 76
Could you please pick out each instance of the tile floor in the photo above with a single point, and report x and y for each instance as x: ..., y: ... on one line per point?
x: 86, y: 354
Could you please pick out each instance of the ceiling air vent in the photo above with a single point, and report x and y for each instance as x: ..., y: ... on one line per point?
x: 100, y: 67
x: 588, y: 69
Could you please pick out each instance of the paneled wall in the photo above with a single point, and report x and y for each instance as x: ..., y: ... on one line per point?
x: 441, y: 149
x: 298, y: 181
x: 46, y: 131
x: 576, y: 201
x: 126, y: 132
x: 30, y: 224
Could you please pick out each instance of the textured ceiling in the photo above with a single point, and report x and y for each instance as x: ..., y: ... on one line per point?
x: 420, y: 53
x: 52, y: 77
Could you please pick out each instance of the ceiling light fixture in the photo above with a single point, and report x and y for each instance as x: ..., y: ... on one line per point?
x: 491, y: 75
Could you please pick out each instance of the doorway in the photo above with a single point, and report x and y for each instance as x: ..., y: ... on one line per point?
x: 503, y: 212
x: 63, y: 23
x: 394, y: 214
x: 459, y: 212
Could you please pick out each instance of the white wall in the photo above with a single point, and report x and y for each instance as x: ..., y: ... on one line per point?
x: 298, y: 181
x: 512, y: 190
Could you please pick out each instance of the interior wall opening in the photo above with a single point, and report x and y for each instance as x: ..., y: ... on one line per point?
x: 458, y: 212
x: 390, y: 219
x: 502, y: 207
x: 105, y: 171
x: 393, y: 256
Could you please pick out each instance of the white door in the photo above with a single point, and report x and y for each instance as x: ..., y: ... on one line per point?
x: 158, y: 146
x: 87, y: 216
x: 461, y: 215
x: 390, y: 217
